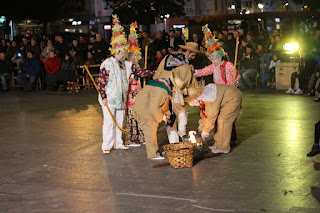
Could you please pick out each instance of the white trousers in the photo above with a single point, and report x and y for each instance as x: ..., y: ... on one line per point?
x: 183, y: 120
x: 172, y: 133
x: 111, y: 135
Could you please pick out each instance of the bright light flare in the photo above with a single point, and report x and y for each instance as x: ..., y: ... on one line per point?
x: 291, y: 46
x: 192, y: 136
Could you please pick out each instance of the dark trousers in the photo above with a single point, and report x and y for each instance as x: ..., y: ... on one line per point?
x: 51, y: 81
x: 293, y: 79
x: 27, y: 82
x: 317, y: 133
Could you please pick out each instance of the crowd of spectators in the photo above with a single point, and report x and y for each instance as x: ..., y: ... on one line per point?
x: 55, y: 58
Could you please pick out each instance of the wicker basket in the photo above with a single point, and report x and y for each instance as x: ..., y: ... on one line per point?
x: 180, y: 154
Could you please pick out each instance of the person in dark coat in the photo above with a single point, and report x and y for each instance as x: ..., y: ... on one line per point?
x: 67, y: 71
x: 6, y: 70
x: 31, y: 68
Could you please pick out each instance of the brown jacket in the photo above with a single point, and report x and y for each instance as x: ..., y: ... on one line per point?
x: 152, y: 103
x: 228, y: 99
x: 184, y: 72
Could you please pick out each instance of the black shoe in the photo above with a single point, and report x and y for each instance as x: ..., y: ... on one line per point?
x: 317, y: 99
x: 315, y: 150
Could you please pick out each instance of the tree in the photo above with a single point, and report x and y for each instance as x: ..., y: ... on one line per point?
x: 145, y: 11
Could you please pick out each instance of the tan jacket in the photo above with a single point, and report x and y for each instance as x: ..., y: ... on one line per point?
x: 184, y: 72
x: 152, y: 103
x: 228, y: 98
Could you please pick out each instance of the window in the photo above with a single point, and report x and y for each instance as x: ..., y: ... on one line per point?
x: 249, y: 4
x: 189, y: 5
x: 215, y: 5
x: 106, y: 5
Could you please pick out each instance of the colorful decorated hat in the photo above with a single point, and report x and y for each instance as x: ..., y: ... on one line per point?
x: 118, y: 39
x: 134, y: 50
x: 212, y: 44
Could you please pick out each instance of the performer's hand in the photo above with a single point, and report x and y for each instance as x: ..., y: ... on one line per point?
x: 204, y: 135
x: 104, y: 101
x: 165, y: 118
x: 192, y: 68
x: 235, y: 82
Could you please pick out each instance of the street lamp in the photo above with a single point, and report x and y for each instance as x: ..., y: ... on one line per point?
x: 261, y: 6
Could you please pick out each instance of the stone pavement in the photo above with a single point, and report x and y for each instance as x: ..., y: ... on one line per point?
x: 51, y: 161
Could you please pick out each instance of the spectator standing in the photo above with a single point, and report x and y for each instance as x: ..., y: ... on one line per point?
x: 46, y: 51
x: 172, y: 41
x: 76, y: 53
x: 34, y: 48
x: 60, y: 47
x: 6, y: 70
x: 195, y: 38
x: 145, y: 41
x: 13, y: 50
x: 92, y: 40
x: 178, y: 40
x: 83, y: 45
x: 3, y: 47
x: 100, y: 48
x: 160, y: 42
x: 23, y: 47
x: 30, y: 69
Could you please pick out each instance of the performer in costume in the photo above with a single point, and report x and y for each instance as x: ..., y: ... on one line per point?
x: 135, y: 136
x: 113, y: 85
x: 219, y: 107
x: 169, y: 65
x: 152, y: 106
x: 223, y: 71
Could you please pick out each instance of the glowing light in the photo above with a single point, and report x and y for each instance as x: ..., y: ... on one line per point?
x: 192, y: 136
x: 260, y: 6
x: 291, y: 46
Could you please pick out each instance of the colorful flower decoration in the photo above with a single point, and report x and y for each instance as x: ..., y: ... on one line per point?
x: 212, y: 44
x: 134, y: 50
x: 118, y: 39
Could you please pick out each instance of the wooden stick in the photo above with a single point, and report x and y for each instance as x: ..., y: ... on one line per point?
x: 160, y: 165
x: 145, y: 63
x: 235, y: 59
x: 198, y: 159
x: 114, y: 121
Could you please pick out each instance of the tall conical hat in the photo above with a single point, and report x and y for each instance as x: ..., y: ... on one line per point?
x: 118, y: 39
x: 134, y: 50
x: 212, y: 44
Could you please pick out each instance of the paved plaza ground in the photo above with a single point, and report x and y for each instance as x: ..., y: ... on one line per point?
x: 51, y: 160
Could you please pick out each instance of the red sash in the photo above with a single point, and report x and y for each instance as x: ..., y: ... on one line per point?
x: 202, y: 108
x: 223, y: 76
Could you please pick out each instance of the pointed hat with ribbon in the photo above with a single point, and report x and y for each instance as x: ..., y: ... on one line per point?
x: 212, y: 44
x: 118, y: 39
x: 134, y: 50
